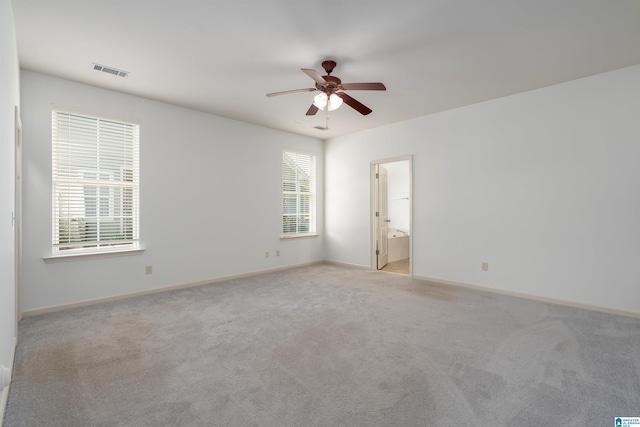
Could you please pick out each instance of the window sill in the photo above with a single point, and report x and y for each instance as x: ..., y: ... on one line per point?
x: 298, y: 236
x: 75, y: 256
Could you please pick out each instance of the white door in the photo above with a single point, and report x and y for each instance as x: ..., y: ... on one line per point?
x: 382, y: 217
x: 17, y: 218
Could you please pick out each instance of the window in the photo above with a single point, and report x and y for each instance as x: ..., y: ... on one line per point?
x: 95, y: 182
x: 298, y: 194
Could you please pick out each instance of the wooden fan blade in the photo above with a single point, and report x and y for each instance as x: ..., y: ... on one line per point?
x: 312, y: 110
x: 311, y: 89
x: 315, y: 76
x: 356, y: 105
x: 362, y: 86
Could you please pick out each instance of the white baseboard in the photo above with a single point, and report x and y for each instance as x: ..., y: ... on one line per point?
x: 85, y: 303
x: 361, y: 267
x: 5, y: 392
x: 530, y: 297
x: 346, y: 264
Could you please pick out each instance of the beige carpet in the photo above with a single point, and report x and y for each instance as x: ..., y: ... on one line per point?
x: 325, y: 346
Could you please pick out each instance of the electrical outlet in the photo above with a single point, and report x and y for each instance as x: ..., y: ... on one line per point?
x: 485, y: 266
x: 278, y: 252
x: 149, y: 269
x: 266, y: 254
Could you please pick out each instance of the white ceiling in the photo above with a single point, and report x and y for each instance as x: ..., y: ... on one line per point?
x: 223, y: 57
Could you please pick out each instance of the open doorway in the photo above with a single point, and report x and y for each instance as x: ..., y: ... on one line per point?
x: 391, y: 215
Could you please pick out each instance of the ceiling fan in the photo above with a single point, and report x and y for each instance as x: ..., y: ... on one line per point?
x: 330, y: 88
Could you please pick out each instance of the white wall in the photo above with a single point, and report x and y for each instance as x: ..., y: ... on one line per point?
x: 399, y: 186
x: 9, y: 98
x: 210, y: 197
x: 543, y: 185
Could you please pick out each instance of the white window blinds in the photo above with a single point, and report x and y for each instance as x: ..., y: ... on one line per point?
x: 95, y: 182
x: 298, y: 193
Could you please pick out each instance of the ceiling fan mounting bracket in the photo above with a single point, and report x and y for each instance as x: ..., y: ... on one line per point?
x: 328, y: 66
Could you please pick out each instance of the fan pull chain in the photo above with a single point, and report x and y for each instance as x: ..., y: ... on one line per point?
x: 326, y: 122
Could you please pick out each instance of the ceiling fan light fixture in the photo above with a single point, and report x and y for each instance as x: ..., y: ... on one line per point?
x: 320, y: 100
x: 334, y: 102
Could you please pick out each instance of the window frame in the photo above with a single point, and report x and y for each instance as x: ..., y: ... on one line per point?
x: 122, y: 177
x: 311, y: 194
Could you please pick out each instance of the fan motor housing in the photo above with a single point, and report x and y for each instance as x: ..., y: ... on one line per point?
x: 332, y: 85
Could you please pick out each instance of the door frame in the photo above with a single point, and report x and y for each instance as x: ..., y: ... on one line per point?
x: 17, y: 215
x: 372, y: 208
x: 381, y: 217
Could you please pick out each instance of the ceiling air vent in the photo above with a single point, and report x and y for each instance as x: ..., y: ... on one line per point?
x: 110, y: 70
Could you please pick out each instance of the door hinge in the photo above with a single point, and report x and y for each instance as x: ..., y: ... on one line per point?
x: 377, y: 175
x: 377, y: 251
x: 377, y: 214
